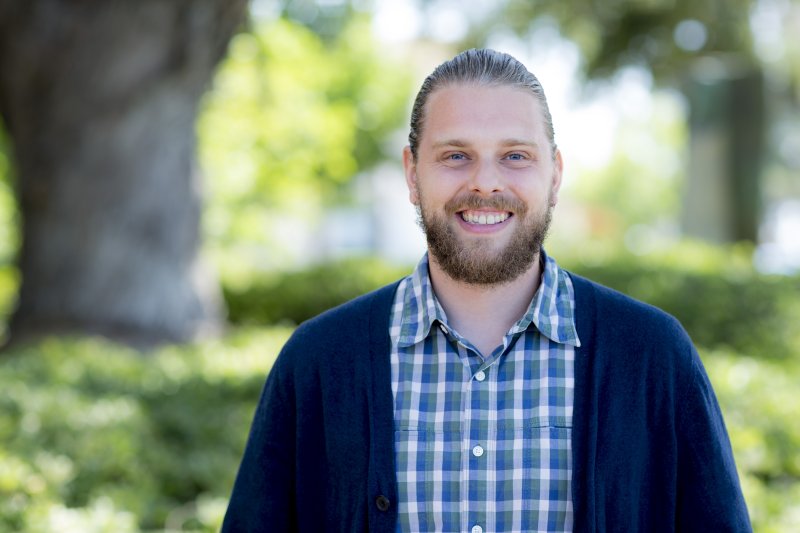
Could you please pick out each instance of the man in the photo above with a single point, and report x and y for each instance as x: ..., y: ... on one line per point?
x: 490, y: 390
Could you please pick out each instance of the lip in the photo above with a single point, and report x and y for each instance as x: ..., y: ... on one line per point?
x: 482, y: 228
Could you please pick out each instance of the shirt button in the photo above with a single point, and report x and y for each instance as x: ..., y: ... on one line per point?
x: 382, y: 502
x: 480, y: 375
x: 477, y: 529
x: 477, y: 451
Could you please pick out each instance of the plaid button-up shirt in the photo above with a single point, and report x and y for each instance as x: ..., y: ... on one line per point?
x: 484, y: 444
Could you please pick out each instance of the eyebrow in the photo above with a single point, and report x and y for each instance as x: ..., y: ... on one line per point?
x: 458, y: 143
x: 450, y: 142
x: 519, y: 142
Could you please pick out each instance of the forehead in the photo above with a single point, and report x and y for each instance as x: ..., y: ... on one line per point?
x: 501, y: 111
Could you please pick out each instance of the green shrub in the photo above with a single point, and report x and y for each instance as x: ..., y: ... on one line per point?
x: 746, y: 312
x: 717, y: 296
x: 296, y: 296
x: 99, y: 438
x: 9, y: 282
x: 760, y: 402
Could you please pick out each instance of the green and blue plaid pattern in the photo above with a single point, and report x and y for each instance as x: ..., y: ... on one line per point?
x: 484, y: 444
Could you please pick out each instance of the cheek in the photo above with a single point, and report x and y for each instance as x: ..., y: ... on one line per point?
x: 531, y: 191
x: 435, y: 191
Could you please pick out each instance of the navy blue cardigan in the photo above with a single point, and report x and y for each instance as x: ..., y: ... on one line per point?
x: 650, y: 450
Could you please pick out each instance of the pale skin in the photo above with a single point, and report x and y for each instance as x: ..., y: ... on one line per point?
x: 489, y: 140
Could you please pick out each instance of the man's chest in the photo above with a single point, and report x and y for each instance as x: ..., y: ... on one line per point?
x: 483, y: 442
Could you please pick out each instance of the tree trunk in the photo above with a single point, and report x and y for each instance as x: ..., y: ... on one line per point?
x: 722, y: 198
x: 99, y: 98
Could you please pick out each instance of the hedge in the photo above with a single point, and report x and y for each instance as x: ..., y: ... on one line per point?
x: 738, y: 309
x: 294, y: 296
x: 97, y: 438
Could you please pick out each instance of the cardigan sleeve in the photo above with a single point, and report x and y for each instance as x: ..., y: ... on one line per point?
x: 263, y: 494
x: 709, y: 496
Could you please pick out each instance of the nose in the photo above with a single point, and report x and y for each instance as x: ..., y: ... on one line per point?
x: 486, y: 179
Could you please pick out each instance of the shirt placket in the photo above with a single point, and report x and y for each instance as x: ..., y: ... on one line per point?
x: 474, y: 444
x: 480, y: 432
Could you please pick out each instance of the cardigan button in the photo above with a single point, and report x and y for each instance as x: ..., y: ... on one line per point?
x: 382, y: 502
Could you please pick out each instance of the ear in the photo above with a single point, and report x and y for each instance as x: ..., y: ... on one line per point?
x: 558, y: 172
x: 410, y: 168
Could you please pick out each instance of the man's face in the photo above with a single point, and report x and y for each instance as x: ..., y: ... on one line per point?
x: 484, y: 181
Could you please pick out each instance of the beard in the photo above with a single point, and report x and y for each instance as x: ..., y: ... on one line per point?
x: 478, y: 262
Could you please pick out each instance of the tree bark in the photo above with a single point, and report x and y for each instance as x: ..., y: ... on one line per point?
x: 722, y: 198
x: 99, y: 98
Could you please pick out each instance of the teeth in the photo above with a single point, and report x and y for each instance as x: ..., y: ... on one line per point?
x: 483, y: 219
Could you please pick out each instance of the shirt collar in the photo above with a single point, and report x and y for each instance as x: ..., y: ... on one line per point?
x: 421, y: 308
x: 551, y: 311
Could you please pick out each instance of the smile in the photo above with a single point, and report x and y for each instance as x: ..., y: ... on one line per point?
x: 484, y: 218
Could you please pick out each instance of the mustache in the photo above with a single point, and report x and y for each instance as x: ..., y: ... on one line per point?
x: 468, y: 201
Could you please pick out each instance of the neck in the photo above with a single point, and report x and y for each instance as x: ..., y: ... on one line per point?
x: 484, y: 313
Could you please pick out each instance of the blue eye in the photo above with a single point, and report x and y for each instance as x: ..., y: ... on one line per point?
x: 515, y: 157
x: 456, y: 157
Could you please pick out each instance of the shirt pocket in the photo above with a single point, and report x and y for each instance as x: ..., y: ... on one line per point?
x: 533, y: 448
x: 428, y: 502
x: 546, y: 449
x: 547, y: 476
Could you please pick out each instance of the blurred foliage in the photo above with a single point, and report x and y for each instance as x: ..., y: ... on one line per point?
x: 760, y: 404
x: 9, y: 283
x: 325, y: 18
x: 97, y: 438
x: 715, y: 293
x: 9, y: 232
x: 295, y: 296
x: 730, y: 305
x: 290, y: 120
x: 632, y: 32
x: 641, y: 183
